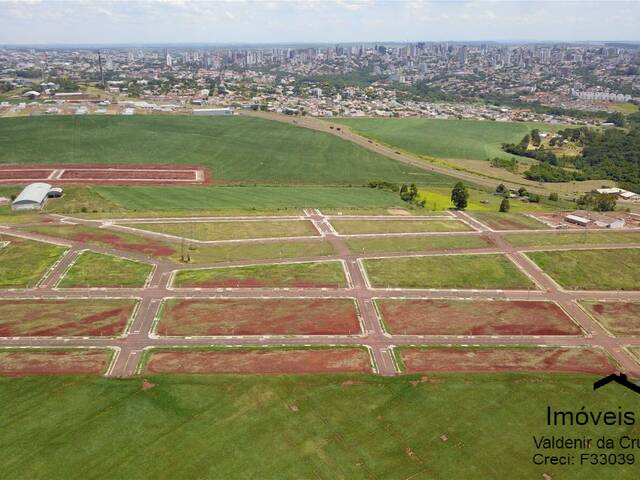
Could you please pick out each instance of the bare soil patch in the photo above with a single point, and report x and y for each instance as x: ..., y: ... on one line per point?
x: 65, y: 362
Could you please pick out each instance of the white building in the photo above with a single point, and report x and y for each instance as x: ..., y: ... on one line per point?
x: 34, y: 196
x: 212, y: 111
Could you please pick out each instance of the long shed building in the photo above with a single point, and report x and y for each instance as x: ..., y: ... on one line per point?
x: 33, y: 197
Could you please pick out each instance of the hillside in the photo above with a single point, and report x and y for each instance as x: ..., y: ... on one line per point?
x: 238, y: 149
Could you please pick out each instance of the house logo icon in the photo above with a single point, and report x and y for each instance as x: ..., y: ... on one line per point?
x: 620, y: 379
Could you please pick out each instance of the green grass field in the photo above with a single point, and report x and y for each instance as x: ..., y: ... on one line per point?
x: 356, y: 227
x: 298, y: 427
x: 96, y: 270
x: 577, y: 238
x: 461, y: 139
x: 415, y: 244
x: 450, y: 271
x: 238, y: 149
x: 509, y: 221
x: 324, y: 274
x: 232, y: 230
x: 24, y: 262
x: 592, y: 269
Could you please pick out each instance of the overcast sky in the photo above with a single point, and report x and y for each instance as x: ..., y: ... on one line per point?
x: 282, y: 21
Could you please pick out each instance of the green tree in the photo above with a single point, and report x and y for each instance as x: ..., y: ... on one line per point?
x: 501, y: 188
x: 553, y: 196
x: 522, y: 191
x: 460, y: 196
x: 504, y: 205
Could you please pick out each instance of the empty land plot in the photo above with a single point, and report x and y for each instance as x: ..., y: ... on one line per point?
x: 232, y: 230
x: 42, y: 317
x: 24, y: 262
x: 416, y: 243
x: 493, y: 271
x: 380, y: 211
x: 295, y: 275
x: 592, y: 269
x: 577, y: 238
x: 509, y: 221
x: 505, y: 359
x: 619, y: 318
x: 266, y: 360
x: 53, y: 362
x: 474, y: 317
x: 96, y: 270
x: 253, y: 316
x: 359, y: 227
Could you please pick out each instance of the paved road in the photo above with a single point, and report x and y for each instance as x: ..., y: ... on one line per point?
x: 140, y: 333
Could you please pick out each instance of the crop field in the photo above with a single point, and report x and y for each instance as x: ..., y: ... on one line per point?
x: 619, y: 318
x: 254, y: 316
x: 291, y: 275
x: 238, y: 149
x: 266, y: 360
x: 416, y: 244
x: 24, y: 262
x: 236, y: 230
x: 509, y: 221
x: 467, y: 317
x: 501, y: 359
x: 53, y: 362
x: 43, y: 317
x: 325, y: 428
x: 92, y: 270
x: 461, y: 139
x: 357, y: 227
x: 577, y: 238
x: 447, y: 271
x: 592, y: 269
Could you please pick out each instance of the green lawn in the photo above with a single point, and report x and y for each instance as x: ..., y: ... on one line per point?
x: 356, y: 227
x: 317, y: 274
x: 415, y: 244
x: 592, y: 269
x: 447, y: 271
x: 235, y: 230
x: 509, y: 221
x: 96, y: 270
x: 24, y: 262
x: 461, y: 139
x: 325, y: 426
x: 576, y: 238
x: 238, y: 149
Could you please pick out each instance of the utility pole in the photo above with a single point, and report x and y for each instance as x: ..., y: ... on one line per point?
x: 101, y: 73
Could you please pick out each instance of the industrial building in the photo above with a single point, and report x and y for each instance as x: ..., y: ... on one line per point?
x: 213, y: 111
x: 34, y: 196
x: 585, y: 219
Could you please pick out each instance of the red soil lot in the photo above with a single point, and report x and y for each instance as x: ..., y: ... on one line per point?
x: 54, y: 318
x: 109, y: 174
x: 253, y: 316
x: 31, y: 362
x: 337, y: 360
x: 479, y: 359
x: 475, y: 317
x: 620, y: 318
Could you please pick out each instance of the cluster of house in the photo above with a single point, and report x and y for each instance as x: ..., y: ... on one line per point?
x: 584, y: 218
x: 621, y: 193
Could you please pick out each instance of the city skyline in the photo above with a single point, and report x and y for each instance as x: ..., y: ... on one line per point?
x: 42, y: 22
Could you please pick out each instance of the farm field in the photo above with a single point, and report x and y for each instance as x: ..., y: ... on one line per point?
x: 399, y: 211
x: 42, y: 317
x: 295, y: 275
x: 254, y: 316
x: 236, y: 230
x: 446, y: 271
x: 592, y: 269
x: 500, y: 359
x: 237, y: 149
x: 415, y: 243
x: 509, y: 221
x: 619, y: 318
x: 357, y: 227
x: 266, y: 360
x: 467, y: 317
x: 461, y: 139
x: 175, y: 414
x: 92, y: 270
x: 53, y: 362
x: 24, y: 262
x: 577, y: 238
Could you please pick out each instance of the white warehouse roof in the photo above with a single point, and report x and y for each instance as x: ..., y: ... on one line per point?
x: 32, y: 195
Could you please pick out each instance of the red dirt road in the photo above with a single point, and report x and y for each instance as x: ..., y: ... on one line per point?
x: 464, y: 359
x: 252, y: 316
x: 338, y: 360
x: 475, y: 317
x: 33, y: 362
